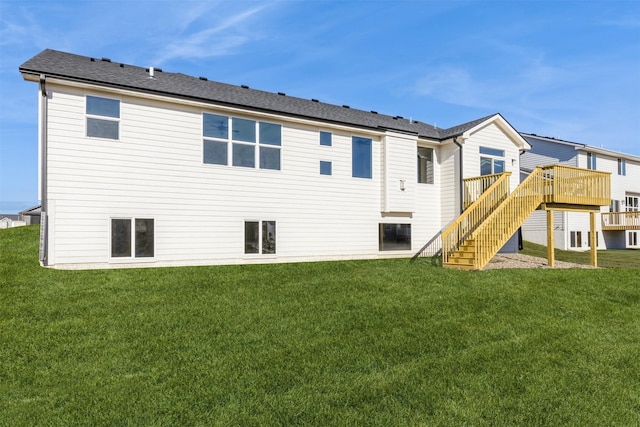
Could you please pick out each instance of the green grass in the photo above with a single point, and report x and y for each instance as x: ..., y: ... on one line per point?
x: 612, y: 258
x: 384, y: 342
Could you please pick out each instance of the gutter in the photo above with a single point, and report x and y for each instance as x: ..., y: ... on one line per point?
x: 44, y: 223
x: 461, y: 186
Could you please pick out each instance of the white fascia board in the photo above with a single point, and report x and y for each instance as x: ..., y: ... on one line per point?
x: 609, y: 153
x: 514, y: 135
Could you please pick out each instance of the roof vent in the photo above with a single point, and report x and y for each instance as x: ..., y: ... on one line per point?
x: 203, y: 78
x: 244, y: 87
x: 158, y: 69
x: 374, y: 112
x: 121, y: 65
x: 106, y: 59
x: 93, y: 60
x: 400, y: 117
x: 346, y: 106
x: 395, y: 118
x: 282, y: 93
x: 315, y: 100
x: 151, y: 72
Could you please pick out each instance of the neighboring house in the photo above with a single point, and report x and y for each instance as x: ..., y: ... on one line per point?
x: 31, y: 216
x: 142, y: 167
x: 10, y: 221
x: 618, y: 225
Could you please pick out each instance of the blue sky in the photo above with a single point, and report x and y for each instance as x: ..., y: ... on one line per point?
x: 565, y: 69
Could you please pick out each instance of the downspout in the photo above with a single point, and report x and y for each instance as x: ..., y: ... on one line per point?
x: 461, y: 186
x: 44, y: 223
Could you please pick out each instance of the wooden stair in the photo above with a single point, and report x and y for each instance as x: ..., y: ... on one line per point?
x: 488, y: 223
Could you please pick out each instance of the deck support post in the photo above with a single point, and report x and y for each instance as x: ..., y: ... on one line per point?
x: 550, y: 239
x: 593, y: 239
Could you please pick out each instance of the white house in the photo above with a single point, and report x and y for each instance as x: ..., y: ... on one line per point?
x: 141, y: 167
x: 618, y: 225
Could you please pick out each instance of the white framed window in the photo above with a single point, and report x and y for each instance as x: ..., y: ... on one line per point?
x: 326, y: 138
x: 591, y: 161
x: 241, y: 142
x: 361, y: 157
x: 576, y: 239
x: 589, y: 239
x: 425, y: 165
x: 132, y: 238
x: 325, y: 167
x: 102, y: 117
x: 491, y: 161
x: 622, y: 167
x: 632, y: 203
x: 260, y: 237
x: 632, y: 239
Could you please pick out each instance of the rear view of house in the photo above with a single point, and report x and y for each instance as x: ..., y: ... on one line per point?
x: 142, y: 167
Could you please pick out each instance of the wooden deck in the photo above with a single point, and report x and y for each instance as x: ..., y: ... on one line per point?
x: 620, y: 221
x: 493, y: 214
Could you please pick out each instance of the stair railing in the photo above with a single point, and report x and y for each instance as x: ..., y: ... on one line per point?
x: 506, y: 218
x: 460, y: 230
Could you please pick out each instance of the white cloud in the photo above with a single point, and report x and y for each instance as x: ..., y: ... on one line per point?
x: 218, y: 40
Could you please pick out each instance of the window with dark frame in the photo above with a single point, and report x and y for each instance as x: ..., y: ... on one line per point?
x: 260, y: 237
x: 132, y: 237
x: 394, y: 237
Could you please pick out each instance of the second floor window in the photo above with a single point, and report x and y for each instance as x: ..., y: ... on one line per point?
x: 591, y: 161
x: 491, y: 161
x: 103, y: 117
x: 622, y: 167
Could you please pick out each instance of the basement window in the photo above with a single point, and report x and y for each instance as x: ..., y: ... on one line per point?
x: 260, y: 239
x: 103, y: 117
x: 576, y: 239
x: 132, y: 237
x: 394, y: 237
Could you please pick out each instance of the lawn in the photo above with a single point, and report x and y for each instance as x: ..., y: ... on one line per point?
x: 385, y: 342
x: 612, y: 258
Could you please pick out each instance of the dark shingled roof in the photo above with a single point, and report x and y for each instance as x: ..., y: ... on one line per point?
x: 111, y: 74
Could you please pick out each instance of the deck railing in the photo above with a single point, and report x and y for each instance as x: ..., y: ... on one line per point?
x: 620, y: 221
x: 577, y: 186
x: 460, y: 230
x: 474, y: 187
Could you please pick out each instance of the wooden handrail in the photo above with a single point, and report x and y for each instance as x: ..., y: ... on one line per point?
x: 505, y: 219
x: 474, y: 187
x: 460, y: 230
x: 486, y: 225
